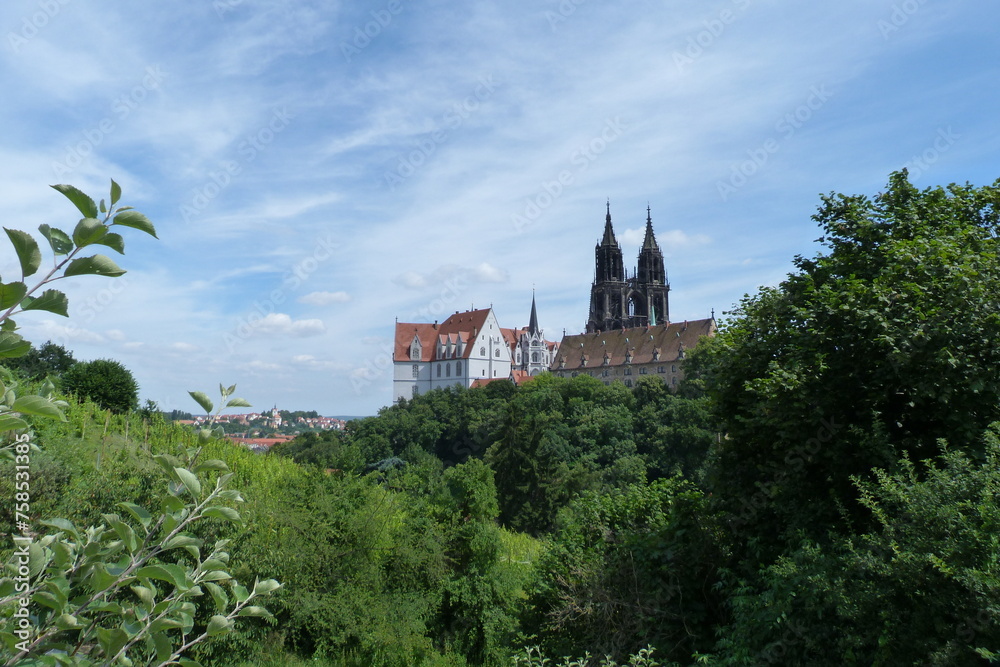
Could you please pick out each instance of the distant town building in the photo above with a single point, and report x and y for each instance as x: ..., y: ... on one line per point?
x: 467, y: 347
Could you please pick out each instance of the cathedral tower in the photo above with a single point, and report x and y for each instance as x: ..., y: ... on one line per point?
x: 617, y: 301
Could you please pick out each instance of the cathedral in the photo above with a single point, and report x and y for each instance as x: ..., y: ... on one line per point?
x: 629, y: 333
x: 618, y: 301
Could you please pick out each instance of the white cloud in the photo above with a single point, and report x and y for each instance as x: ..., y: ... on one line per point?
x: 488, y: 273
x: 281, y: 324
x: 324, y: 298
x: 185, y: 348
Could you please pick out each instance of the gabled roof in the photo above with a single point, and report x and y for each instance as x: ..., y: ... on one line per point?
x: 467, y: 324
x: 638, y: 345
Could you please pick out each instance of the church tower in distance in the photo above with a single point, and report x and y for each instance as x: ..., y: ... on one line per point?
x: 617, y: 301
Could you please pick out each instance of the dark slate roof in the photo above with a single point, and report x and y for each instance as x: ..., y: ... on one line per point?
x: 638, y: 345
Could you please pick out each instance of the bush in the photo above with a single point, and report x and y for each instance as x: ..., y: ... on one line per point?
x: 104, y: 381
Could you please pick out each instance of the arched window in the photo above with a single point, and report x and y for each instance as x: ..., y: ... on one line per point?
x: 496, y: 352
x: 439, y: 370
x: 416, y: 370
x: 458, y: 368
x: 482, y: 352
x: 534, y: 357
x: 447, y: 370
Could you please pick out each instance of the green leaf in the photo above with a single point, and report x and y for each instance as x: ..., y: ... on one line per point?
x: 50, y: 300
x: 231, y: 390
x: 60, y: 241
x: 12, y: 345
x: 164, y: 647
x: 135, y: 220
x: 98, y: 265
x: 190, y: 481
x: 113, y: 241
x: 238, y: 403
x: 84, y: 203
x: 62, y: 524
x: 217, y: 575
x: 203, y: 400
x: 218, y: 625
x: 116, y: 192
x: 111, y: 641
x: 140, y: 513
x: 88, y: 231
x: 9, y: 422
x: 212, y: 464
x: 178, y: 541
x: 259, y: 612
x: 125, y: 532
x: 11, y: 294
x: 145, y: 595
x: 27, y: 251
x: 172, y: 574
x: 226, y: 513
x: 218, y: 595
x: 240, y: 593
x: 265, y: 587
x: 36, y: 405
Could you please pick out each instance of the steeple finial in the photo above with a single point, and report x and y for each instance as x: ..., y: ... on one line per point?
x: 649, y: 242
x: 609, y: 232
x: 533, y: 321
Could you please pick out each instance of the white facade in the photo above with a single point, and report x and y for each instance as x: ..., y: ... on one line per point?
x: 466, y: 347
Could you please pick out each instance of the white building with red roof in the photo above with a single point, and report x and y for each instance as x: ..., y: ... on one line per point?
x: 468, y: 347
x: 465, y: 347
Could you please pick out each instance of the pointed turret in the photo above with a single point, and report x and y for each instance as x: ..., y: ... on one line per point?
x: 649, y: 243
x: 609, y: 232
x: 533, y: 321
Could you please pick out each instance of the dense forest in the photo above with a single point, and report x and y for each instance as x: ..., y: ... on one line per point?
x: 823, y: 488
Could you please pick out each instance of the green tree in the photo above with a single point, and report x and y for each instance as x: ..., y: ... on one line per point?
x: 921, y: 587
x: 40, y: 362
x: 104, y: 381
x: 879, y: 346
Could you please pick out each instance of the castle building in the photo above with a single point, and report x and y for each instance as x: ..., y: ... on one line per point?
x: 469, y: 347
x: 629, y: 333
x: 617, y: 300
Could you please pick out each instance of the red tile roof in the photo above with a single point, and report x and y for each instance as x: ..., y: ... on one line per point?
x: 468, y: 324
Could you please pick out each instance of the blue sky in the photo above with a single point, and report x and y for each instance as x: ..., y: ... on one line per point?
x: 317, y: 169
